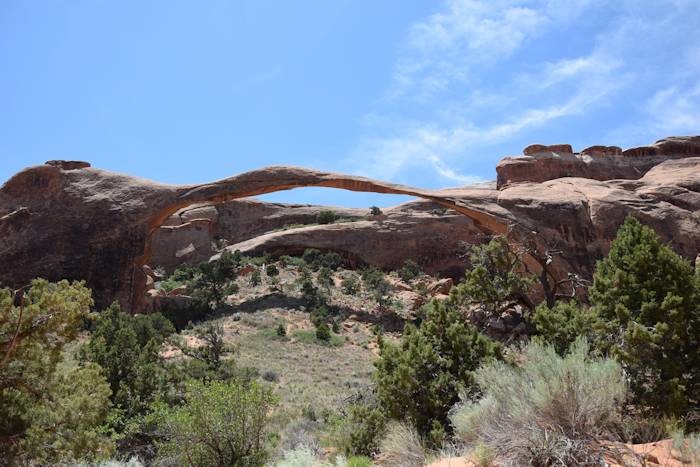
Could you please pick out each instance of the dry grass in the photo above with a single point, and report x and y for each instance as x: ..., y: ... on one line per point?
x: 402, y: 447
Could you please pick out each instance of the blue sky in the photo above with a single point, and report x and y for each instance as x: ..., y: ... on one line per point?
x: 430, y: 94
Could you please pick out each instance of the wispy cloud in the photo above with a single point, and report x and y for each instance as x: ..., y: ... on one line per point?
x: 464, y: 80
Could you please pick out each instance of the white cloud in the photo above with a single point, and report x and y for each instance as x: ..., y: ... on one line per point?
x: 428, y: 145
x: 675, y: 111
x: 456, y: 66
x: 442, y: 48
x: 450, y: 174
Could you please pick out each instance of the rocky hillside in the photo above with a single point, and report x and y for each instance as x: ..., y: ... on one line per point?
x: 68, y: 220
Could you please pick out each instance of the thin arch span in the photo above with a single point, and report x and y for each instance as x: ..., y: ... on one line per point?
x: 274, y: 179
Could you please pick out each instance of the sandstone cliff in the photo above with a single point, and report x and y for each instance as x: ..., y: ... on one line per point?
x: 541, y: 163
x: 68, y: 220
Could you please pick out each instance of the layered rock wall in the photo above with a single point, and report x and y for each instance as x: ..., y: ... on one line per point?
x: 541, y: 163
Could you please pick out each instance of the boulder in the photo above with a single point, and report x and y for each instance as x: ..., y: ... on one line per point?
x: 554, y: 148
x: 247, y: 270
x: 412, y: 300
x: 179, y: 290
x: 602, y: 151
x: 440, y: 287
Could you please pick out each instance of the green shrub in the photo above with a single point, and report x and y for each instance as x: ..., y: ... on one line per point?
x: 551, y: 410
x: 319, y: 315
x: 210, y: 282
x: 219, y: 424
x: 316, y: 259
x: 562, y: 324
x: 310, y: 257
x: 271, y: 270
x: 281, y: 330
x: 648, y: 298
x: 325, y: 277
x: 182, y: 275
x: 420, y: 379
x: 258, y: 261
x: 292, y: 261
x: 495, y: 278
x: 309, y: 337
x: 409, y: 271
x: 330, y: 260
x: 212, y: 349
x: 372, y: 277
x: 310, y: 294
x: 255, y: 278
x: 183, y: 316
x: 359, y: 461
x: 375, y: 282
x: 127, y: 348
x: 323, y: 332
x: 350, y: 285
x: 326, y: 216
x: 375, y: 211
x: 483, y: 455
x: 362, y: 428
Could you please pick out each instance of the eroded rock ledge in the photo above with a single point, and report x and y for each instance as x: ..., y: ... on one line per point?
x: 541, y: 163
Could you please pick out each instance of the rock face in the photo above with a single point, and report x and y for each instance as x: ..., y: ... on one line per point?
x: 194, y: 234
x: 414, y: 230
x: 68, y: 220
x: 76, y: 222
x: 541, y: 163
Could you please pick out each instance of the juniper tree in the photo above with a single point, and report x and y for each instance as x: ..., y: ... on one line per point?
x: 648, y: 297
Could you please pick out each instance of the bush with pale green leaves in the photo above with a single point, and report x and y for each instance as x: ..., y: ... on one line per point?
x: 548, y: 411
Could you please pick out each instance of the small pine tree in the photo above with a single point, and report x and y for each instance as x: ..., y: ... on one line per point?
x: 323, y: 332
x: 375, y: 211
x: 647, y: 296
x: 421, y: 379
x: 560, y: 325
x: 281, y: 330
x: 409, y: 271
x: 310, y: 294
x: 325, y: 278
x: 271, y: 270
x: 326, y: 217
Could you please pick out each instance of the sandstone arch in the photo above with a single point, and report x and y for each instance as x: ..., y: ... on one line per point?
x: 68, y: 220
x: 279, y: 178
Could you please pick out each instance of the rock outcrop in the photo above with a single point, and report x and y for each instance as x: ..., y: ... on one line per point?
x: 196, y: 233
x: 69, y: 220
x: 541, y: 163
x: 414, y: 230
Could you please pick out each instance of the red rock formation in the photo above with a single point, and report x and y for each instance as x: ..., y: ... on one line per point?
x: 68, y: 220
x: 542, y: 163
x: 76, y: 222
x: 410, y: 231
x: 192, y: 234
